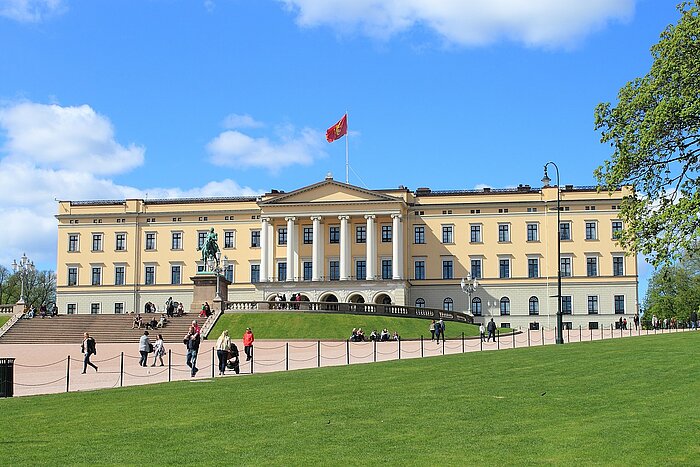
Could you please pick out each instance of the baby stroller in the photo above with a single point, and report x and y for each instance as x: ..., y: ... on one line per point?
x: 233, y: 362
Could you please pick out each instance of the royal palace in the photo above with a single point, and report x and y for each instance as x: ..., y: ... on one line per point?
x: 332, y: 241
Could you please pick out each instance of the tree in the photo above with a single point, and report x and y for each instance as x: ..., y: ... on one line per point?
x: 674, y: 290
x: 39, y: 287
x: 655, y: 133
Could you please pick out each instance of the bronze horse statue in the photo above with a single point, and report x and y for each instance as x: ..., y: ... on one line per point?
x: 210, y: 247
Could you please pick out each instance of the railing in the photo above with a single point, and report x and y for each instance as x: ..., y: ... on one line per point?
x: 210, y: 322
x: 10, y: 322
x: 7, y: 308
x: 377, y: 309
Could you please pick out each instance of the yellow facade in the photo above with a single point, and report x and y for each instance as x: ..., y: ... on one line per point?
x: 333, y: 241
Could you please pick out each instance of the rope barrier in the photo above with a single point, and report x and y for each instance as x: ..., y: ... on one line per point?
x: 386, y: 353
x: 257, y: 347
x: 303, y: 360
x: 365, y: 356
x: 106, y: 359
x: 333, y: 358
x: 40, y: 384
x: 258, y: 362
x: 40, y: 366
x: 305, y: 347
x: 325, y: 344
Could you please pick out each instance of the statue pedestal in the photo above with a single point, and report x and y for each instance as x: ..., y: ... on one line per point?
x: 205, y: 291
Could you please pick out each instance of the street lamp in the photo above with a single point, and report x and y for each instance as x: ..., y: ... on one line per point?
x: 469, y: 286
x: 24, y: 267
x: 545, y: 182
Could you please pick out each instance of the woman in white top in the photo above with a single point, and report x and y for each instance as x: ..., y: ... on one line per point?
x: 158, y: 350
x: 223, y: 344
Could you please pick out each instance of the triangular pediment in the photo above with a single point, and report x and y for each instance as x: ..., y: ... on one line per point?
x: 329, y: 191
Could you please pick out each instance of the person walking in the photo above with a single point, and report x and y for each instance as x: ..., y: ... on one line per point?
x: 442, y: 329
x: 145, y: 348
x: 636, y: 321
x: 248, y: 340
x: 223, y: 345
x: 482, y: 332
x: 88, y: 348
x: 491, y: 328
x: 158, y: 350
x: 192, y: 342
x: 431, y: 328
x: 694, y: 319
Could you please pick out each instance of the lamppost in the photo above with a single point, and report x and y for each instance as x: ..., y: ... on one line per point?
x: 24, y: 267
x: 469, y: 286
x: 545, y: 182
x: 221, y: 265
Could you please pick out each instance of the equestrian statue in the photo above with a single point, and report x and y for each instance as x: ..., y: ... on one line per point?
x: 210, y: 247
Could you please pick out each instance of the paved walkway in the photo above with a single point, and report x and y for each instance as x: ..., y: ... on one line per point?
x: 45, y: 369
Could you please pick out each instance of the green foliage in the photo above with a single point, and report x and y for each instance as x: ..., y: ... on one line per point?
x: 655, y: 134
x: 590, y: 403
x: 674, y: 291
x: 4, y: 319
x: 289, y: 325
x: 39, y: 287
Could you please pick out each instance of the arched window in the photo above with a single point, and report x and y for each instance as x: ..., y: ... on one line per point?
x: 420, y: 303
x: 534, y: 306
x: 448, y: 304
x: 505, y: 306
x: 476, y: 306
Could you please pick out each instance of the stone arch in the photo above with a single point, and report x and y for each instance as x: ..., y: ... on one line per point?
x: 329, y: 297
x: 356, y: 297
x: 382, y: 298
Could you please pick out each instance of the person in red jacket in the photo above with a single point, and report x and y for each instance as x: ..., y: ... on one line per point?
x: 248, y: 339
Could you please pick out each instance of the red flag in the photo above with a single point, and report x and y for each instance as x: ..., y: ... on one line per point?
x: 338, y: 130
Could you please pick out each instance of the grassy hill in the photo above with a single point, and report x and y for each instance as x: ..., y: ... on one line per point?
x: 4, y: 319
x: 623, y: 401
x: 290, y: 325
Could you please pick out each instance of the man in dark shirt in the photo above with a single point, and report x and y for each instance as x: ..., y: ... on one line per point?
x: 192, y: 342
x: 491, y: 328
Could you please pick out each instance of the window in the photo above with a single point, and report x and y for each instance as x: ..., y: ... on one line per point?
x: 619, y: 304
x: 592, y: 304
x: 420, y: 303
x: 476, y: 268
x: 282, y: 236
x: 308, y: 235
x: 534, y: 326
x: 505, y: 306
x: 73, y: 244
x: 228, y: 273
x: 72, y: 308
x: 230, y: 239
x: 361, y: 234
x: 175, y: 275
x: 120, y: 242
x: 476, y: 306
x: 419, y: 268
x: 448, y: 304
x: 386, y: 234
x: 254, y: 239
x: 566, y: 305
x: 96, y: 242
x: 282, y: 271
x: 504, y: 268
x: 475, y: 233
x: 616, y: 229
x: 534, y: 306
x: 72, y: 276
x: 447, y: 236
x: 618, y: 265
x: 504, y: 325
x: 150, y: 240
x: 531, y: 209
x: 201, y: 237
x: 96, y: 275
x: 533, y: 267
x: 119, y: 308
x: 150, y: 277
x: 308, y: 269
x: 360, y: 269
x: 503, y: 232
x: 334, y: 270
x: 419, y: 234
x: 94, y: 308
x: 532, y: 233
x: 447, y: 269
x: 592, y: 266
x: 334, y: 234
x: 565, y: 231
x: 386, y: 269
x: 591, y: 231
x: 254, y: 273
x: 565, y: 267
x: 176, y: 241
x: 119, y: 275
x: 592, y: 325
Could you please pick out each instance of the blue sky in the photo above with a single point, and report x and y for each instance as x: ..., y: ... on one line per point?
x: 165, y: 98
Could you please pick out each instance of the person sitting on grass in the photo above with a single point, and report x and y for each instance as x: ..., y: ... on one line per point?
x: 361, y: 335
x: 373, y: 336
x: 353, y: 335
x: 385, y: 335
x: 396, y: 336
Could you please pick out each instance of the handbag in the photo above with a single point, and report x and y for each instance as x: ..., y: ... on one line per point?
x: 150, y: 348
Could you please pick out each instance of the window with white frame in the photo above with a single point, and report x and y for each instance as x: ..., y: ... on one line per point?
x: 447, y: 268
x: 591, y: 266
x: 120, y: 241
x: 534, y: 306
x: 72, y: 275
x: 73, y: 242
x: 505, y: 306
x: 565, y: 230
x: 361, y: 234
x: 619, y: 304
x: 616, y: 229
x: 566, y: 305
x: 592, y: 304
x: 175, y: 274
x: 504, y: 268
x: 565, y: 266
x: 448, y: 304
x: 476, y: 306
x: 419, y: 234
x: 176, y: 240
x: 591, y: 230
x: 96, y: 275
x: 475, y: 264
x: 503, y: 233
x: 420, y: 303
x: 386, y: 234
x: 533, y: 232
x: 448, y: 234
x: 618, y: 265
x: 119, y: 274
x: 419, y: 269
x: 282, y: 236
x: 150, y: 240
x: 150, y: 275
x: 533, y: 267
x: 475, y: 233
x: 230, y: 239
x: 97, y: 242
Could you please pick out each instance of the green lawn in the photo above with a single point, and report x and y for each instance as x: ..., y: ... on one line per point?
x: 625, y: 401
x: 4, y: 319
x: 290, y: 325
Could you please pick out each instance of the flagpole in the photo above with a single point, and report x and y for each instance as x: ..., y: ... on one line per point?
x: 347, y: 157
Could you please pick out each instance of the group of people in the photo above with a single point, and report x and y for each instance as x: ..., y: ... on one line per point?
x: 384, y: 336
x: 491, y: 328
x: 45, y: 311
x: 152, y: 324
x: 157, y: 348
x: 281, y: 302
x: 437, y: 329
x: 206, y: 310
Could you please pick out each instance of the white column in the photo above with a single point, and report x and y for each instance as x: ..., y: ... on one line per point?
x: 396, y: 247
x: 344, y: 248
x: 264, y: 252
x: 316, y: 257
x: 371, y: 248
x: 291, y: 249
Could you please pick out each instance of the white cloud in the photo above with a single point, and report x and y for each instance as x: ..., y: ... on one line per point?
x: 29, y: 11
x: 233, y: 148
x: 550, y: 23
x: 66, y: 138
x: 233, y: 121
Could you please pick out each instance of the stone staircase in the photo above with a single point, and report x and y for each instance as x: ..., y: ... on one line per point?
x: 69, y: 329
